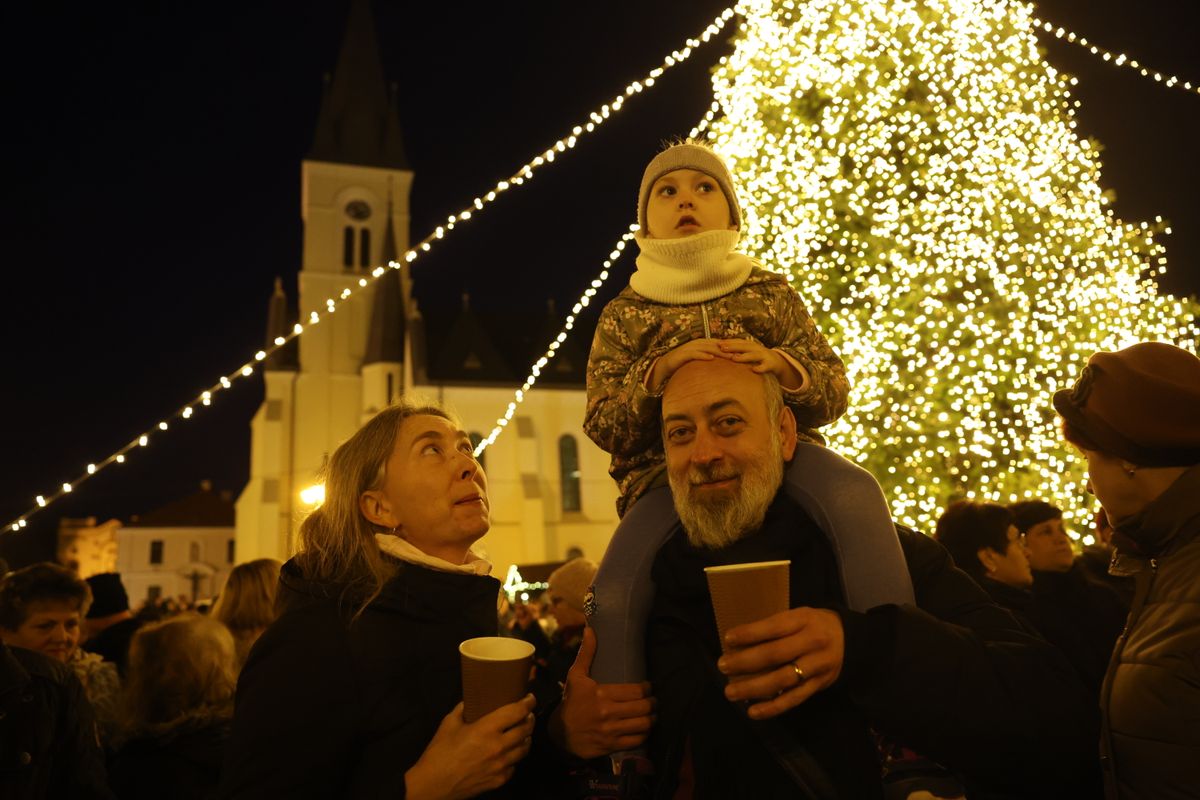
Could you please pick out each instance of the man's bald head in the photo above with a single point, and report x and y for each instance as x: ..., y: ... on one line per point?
x: 726, y: 434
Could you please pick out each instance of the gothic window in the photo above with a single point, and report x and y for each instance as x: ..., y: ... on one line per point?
x: 568, y: 469
x: 348, y: 247
x: 230, y: 550
x: 194, y: 552
x: 364, y: 247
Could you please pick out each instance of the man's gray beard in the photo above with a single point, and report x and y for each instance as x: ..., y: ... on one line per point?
x: 717, y: 522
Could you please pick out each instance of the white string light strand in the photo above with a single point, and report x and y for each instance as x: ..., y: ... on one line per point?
x: 552, y: 350
x: 518, y: 178
x: 1121, y: 60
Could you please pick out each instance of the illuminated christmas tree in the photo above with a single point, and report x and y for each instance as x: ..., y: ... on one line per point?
x: 915, y: 165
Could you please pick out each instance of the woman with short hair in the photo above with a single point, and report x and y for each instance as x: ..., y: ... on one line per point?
x: 1134, y: 414
x: 246, y: 604
x: 355, y: 690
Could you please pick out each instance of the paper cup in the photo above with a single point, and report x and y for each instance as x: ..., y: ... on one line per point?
x: 495, y: 672
x: 743, y: 593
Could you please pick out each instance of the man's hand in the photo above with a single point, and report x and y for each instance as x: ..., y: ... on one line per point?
x: 808, y: 641
x: 464, y: 759
x: 596, y: 719
x: 763, y: 359
x: 668, y: 362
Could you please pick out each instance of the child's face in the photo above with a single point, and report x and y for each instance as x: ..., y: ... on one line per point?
x: 686, y: 202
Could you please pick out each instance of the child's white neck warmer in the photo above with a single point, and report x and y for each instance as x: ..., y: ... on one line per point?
x: 693, y: 269
x: 404, y: 550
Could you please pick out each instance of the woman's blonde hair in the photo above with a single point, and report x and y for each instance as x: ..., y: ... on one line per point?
x: 179, y: 667
x: 337, y: 543
x: 247, y: 601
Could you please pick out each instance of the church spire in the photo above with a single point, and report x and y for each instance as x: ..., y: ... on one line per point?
x: 358, y: 123
x: 385, y: 338
x: 283, y: 359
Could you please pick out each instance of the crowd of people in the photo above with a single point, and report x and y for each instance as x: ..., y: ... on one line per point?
x: 991, y: 660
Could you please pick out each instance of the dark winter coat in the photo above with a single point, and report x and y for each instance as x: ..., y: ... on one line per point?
x: 329, y: 707
x: 181, y: 761
x: 1081, y: 617
x: 955, y: 678
x: 48, y: 743
x: 1151, y: 694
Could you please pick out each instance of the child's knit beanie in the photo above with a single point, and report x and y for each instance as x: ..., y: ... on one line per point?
x: 688, y: 155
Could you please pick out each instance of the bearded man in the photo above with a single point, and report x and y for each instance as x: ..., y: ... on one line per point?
x: 793, y: 709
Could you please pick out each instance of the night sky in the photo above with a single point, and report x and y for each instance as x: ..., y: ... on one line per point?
x: 154, y: 193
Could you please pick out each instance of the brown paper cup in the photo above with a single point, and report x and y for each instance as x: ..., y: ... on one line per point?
x: 495, y: 672
x: 743, y: 593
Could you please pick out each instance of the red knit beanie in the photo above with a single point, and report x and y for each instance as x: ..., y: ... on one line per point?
x: 1141, y: 404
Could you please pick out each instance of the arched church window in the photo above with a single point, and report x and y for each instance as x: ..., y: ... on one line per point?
x: 568, y: 470
x: 348, y: 247
x: 364, y: 247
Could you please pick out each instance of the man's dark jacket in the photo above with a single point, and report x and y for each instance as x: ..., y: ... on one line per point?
x: 48, y: 744
x: 955, y: 678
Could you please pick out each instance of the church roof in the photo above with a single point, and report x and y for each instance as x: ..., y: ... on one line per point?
x: 358, y: 123
x: 468, y: 353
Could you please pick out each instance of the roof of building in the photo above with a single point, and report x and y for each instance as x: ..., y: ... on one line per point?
x: 204, y: 509
x: 279, y: 322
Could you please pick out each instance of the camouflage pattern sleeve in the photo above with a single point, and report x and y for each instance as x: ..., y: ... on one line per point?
x: 796, y: 333
x: 622, y: 417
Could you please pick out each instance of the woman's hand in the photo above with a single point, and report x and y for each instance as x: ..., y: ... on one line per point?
x: 666, y: 364
x: 466, y: 759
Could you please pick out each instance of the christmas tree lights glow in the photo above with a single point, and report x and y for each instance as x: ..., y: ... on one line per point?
x: 915, y: 168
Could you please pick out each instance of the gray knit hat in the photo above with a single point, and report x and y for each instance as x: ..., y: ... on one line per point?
x: 688, y: 155
x: 571, y: 581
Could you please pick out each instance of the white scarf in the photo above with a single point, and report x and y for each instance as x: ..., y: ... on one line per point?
x: 404, y: 550
x: 692, y: 269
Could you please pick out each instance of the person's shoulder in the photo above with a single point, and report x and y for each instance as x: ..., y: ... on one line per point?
x: 39, y: 667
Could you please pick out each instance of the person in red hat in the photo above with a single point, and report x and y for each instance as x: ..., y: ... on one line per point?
x: 1135, y: 416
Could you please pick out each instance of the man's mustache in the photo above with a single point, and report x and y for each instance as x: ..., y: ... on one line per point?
x: 698, y: 474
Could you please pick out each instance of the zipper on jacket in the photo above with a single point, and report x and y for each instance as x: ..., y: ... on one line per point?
x: 704, y: 317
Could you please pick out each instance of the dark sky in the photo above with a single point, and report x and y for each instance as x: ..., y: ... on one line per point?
x: 154, y: 187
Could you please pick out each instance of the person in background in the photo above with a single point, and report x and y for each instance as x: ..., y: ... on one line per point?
x: 246, y: 604
x: 109, y: 626
x: 526, y: 625
x: 1097, y: 557
x: 566, y: 590
x: 178, y: 708
x: 40, y: 609
x: 48, y: 744
x: 985, y: 543
x: 1080, y: 616
x: 1133, y: 416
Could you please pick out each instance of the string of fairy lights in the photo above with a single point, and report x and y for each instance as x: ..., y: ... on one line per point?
x: 525, y: 173
x: 945, y: 221
x: 915, y: 497
x: 1118, y: 59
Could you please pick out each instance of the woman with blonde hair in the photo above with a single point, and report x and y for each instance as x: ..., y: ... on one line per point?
x: 246, y: 604
x: 355, y: 690
x: 178, y: 708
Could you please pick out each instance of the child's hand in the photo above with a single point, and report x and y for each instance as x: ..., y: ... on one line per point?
x: 748, y: 351
x: 667, y: 363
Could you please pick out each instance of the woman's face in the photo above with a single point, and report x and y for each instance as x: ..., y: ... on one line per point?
x: 51, y: 627
x: 1049, y: 546
x: 1110, y: 482
x: 1011, y: 566
x: 434, y: 492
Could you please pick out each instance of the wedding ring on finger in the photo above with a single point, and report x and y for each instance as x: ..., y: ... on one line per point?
x: 800, y: 676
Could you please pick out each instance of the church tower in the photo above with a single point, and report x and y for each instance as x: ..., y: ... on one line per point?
x: 355, y: 186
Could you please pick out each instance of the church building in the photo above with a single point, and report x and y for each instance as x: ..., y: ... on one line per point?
x: 548, y: 483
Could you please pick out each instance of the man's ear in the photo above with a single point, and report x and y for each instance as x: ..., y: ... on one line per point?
x: 787, y: 432
x: 375, y: 508
x: 987, y: 557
